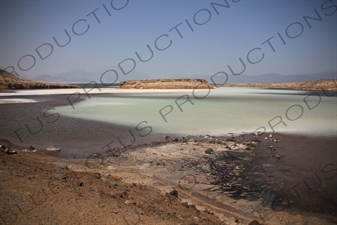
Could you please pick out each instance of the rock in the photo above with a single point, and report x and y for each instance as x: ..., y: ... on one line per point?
x: 254, y: 222
x: 11, y: 152
x: 167, y: 138
x: 175, y: 139
x: 211, y: 141
x: 30, y: 149
x: 174, y: 193
x: 277, y: 156
x: 209, y: 151
x: 53, y: 148
x: 97, y: 175
x: 215, y: 189
x: 258, y: 133
x: 191, y: 140
x: 7, y: 149
x: 4, y: 148
x: 130, y: 202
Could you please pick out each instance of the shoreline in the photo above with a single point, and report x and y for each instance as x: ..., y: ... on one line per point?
x: 101, y: 131
x: 184, y: 166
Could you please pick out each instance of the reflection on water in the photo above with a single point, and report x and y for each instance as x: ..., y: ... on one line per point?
x: 217, y: 112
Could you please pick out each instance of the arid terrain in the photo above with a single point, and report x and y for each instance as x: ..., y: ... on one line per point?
x: 11, y: 81
x: 327, y: 85
x: 166, y: 84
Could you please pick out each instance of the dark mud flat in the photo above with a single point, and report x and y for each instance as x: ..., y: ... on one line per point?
x: 298, y: 173
x: 294, y: 167
x: 265, y: 173
x: 39, y: 125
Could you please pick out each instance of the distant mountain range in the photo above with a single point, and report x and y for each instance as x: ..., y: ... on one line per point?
x: 82, y: 76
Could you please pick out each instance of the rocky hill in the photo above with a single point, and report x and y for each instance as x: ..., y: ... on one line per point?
x: 327, y: 85
x: 166, y: 84
x: 11, y: 81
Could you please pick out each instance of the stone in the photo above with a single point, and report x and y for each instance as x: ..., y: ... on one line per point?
x: 211, y: 141
x: 53, y: 149
x: 4, y: 148
x: 97, y: 175
x: 130, y: 202
x: 174, y: 193
x: 7, y: 149
x: 11, y: 152
x: 215, y: 189
x: 254, y: 222
x: 209, y: 151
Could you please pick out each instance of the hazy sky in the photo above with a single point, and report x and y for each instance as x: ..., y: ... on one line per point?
x: 106, y: 33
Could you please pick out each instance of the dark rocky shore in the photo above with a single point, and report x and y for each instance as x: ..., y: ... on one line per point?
x: 217, y: 179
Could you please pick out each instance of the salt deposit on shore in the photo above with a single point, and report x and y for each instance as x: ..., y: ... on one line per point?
x: 16, y: 100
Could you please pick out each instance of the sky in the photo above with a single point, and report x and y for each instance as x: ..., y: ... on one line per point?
x: 193, y: 37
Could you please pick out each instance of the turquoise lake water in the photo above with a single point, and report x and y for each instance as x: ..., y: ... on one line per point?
x: 215, y: 112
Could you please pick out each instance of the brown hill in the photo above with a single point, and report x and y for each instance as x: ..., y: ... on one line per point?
x: 327, y: 85
x: 11, y: 81
x: 166, y: 84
